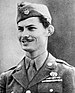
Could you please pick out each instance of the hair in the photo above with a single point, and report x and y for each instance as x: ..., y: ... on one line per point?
x: 44, y: 21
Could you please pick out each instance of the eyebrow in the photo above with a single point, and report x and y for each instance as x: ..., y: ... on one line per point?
x: 20, y: 27
x: 29, y: 26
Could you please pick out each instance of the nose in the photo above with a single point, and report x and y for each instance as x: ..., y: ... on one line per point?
x: 25, y: 32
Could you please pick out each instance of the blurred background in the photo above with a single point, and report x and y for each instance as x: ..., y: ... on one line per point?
x: 61, y: 44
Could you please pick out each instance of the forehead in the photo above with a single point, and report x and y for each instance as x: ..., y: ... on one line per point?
x: 29, y: 21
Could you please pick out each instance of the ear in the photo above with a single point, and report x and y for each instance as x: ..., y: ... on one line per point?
x: 50, y: 30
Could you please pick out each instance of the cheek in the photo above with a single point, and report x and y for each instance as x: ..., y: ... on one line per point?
x: 40, y: 40
x: 19, y: 36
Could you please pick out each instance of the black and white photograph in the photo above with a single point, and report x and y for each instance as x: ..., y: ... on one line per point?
x: 37, y: 46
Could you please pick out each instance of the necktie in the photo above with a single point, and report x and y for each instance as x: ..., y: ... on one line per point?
x: 31, y: 70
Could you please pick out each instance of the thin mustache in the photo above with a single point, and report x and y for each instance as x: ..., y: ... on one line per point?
x: 27, y: 39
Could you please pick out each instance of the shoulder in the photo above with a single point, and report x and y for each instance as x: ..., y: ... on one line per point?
x: 7, y: 73
x: 68, y: 76
x: 64, y: 64
x: 61, y: 63
x: 65, y: 68
x: 4, y: 77
x: 12, y: 70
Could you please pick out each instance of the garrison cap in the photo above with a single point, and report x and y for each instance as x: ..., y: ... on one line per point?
x: 27, y: 10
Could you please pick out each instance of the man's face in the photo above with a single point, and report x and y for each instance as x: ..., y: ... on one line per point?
x: 32, y: 35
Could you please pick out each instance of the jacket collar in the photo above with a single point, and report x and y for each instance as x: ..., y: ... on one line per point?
x: 44, y: 72
x: 20, y: 74
x: 39, y: 60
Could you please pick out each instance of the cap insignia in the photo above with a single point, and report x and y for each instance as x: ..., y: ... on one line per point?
x: 26, y: 11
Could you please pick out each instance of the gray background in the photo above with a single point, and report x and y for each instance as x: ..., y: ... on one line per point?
x: 61, y: 43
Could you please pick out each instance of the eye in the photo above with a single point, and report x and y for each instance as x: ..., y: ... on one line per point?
x: 21, y: 29
x: 31, y: 28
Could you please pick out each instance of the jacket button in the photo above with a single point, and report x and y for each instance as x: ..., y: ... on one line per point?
x: 12, y: 92
x: 28, y: 91
x: 21, y: 89
x: 49, y: 64
x: 51, y: 90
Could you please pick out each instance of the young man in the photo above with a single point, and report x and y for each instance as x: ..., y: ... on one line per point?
x: 39, y: 71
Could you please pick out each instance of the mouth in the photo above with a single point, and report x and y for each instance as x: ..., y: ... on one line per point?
x: 25, y: 41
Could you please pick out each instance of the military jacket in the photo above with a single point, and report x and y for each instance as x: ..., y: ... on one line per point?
x: 55, y: 76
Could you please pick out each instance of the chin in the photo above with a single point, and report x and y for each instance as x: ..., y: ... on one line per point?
x: 28, y: 49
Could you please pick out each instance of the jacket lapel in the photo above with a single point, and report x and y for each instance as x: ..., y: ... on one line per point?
x: 21, y: 77
x: 43, y: 72
x: 20, y: 74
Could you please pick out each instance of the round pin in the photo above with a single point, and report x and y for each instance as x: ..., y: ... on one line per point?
x: 28, y: 91
x: 53, y: 74
x: 26, y: 11
x: 51, y: 90
x: 49, y: 64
